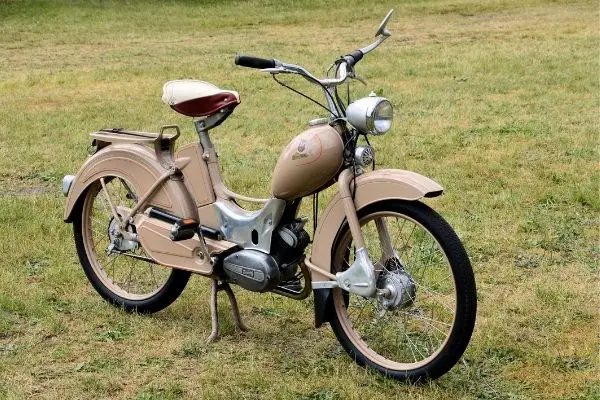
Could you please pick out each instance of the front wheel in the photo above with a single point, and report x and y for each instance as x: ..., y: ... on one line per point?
x: 422, y: 325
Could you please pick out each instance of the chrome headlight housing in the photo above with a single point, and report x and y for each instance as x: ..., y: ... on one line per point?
x: 371, y: 114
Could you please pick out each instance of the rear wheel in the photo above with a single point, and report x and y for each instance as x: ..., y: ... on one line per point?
x: 119, y: 269
x: 423, y: 329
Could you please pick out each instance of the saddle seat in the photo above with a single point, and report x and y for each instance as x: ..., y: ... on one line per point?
x: 198, y: 98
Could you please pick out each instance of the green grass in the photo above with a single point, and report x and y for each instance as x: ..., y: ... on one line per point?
x: 497, y: 101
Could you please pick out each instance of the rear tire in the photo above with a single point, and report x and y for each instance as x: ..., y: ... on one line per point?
x: 91, y: 244
x: 426, y: 357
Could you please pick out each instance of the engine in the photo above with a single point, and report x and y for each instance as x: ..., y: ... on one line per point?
x: 260, y: 272
x: 252, y: 270
x: 288, y: 246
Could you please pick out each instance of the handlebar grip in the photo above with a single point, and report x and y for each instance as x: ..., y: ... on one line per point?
x: 353, y: 57
x: 254, y: 62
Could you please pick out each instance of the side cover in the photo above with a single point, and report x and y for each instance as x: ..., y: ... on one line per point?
x: 371, y: 187
x: 138, y: 165
x: 197, y: 177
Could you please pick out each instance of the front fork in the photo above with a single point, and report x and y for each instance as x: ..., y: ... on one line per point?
x: 360, y: 278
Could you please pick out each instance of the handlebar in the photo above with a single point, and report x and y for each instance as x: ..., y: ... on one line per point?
x: 254, y: 62
x: 275, y: 67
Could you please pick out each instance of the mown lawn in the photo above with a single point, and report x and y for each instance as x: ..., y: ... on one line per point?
x: 497, y: 101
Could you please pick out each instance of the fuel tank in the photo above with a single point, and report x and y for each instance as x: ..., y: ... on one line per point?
x: 308, y: 162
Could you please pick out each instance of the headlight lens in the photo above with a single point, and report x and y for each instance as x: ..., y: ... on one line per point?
x: 382, y: 117
x: 371, y: 114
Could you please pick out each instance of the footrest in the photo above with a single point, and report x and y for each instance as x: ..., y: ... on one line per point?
x: 182, y: 229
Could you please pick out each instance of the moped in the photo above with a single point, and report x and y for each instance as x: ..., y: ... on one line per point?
x: 387, y: 272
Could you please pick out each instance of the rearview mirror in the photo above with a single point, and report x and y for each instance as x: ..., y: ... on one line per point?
x: 382, y: 27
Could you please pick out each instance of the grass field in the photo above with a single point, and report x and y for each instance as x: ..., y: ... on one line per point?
x: 498, y: 101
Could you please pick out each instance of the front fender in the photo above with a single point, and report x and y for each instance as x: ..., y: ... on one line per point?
x: 138, y: 165
x: 371, y: 187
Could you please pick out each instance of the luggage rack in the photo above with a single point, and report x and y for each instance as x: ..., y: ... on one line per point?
x: 159, y: 141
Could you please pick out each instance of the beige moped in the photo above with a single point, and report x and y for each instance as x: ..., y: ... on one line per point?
x: 387, y: 272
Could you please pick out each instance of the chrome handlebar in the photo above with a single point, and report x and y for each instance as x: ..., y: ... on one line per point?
x: 284, y: 68
x: 342, y: 72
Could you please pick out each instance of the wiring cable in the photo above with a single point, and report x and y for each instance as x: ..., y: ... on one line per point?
x: 301, y: 94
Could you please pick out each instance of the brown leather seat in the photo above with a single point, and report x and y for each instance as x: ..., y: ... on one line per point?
x: 197, y: 98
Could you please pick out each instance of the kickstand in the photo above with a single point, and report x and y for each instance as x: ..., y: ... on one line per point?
x: 215, y: 288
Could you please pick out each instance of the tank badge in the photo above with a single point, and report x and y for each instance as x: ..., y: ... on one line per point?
x: 300, y: 151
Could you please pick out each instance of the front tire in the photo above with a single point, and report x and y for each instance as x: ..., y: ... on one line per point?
x: 128, y: 279
x: 424, y: 337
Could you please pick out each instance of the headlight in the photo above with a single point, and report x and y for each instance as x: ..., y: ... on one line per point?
x: 371, y: 115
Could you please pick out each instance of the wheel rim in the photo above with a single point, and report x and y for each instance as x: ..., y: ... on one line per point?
x: 128, y: 277
x: 403, y: 338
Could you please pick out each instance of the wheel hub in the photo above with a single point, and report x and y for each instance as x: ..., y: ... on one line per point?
x: 117, y: 241
x: 399, y: 288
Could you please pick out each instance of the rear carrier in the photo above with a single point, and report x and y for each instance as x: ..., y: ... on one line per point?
x: 163, y: 145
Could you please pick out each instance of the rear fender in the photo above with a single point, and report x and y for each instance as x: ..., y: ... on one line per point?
x: 371, y: 187
x: 138, y: 165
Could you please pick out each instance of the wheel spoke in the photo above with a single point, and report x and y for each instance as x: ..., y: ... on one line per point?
x: 400, y: 228
x: 128, y: 189
x: 423, y: 268
x: 429, y: 320
x: 412, y: 344
x: 436, y: 295
x: 407, y: 241
x: 111, y: 264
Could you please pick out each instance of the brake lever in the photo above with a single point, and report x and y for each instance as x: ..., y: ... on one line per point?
x: 329, y: 69
x: 358, y: 78
x: 273, y: 71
